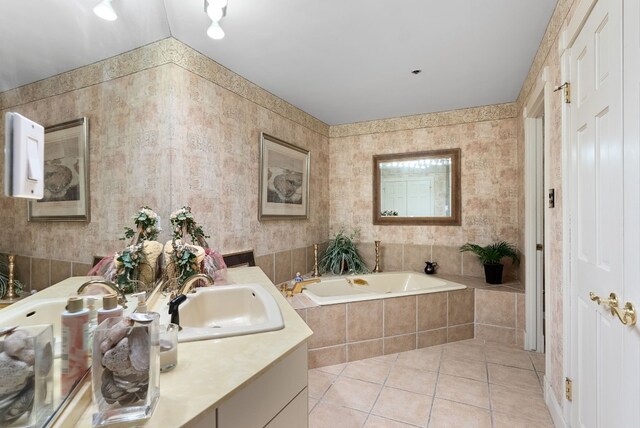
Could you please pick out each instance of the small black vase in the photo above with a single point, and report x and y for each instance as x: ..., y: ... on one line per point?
x: 493, y: 273
x: 430, y: 268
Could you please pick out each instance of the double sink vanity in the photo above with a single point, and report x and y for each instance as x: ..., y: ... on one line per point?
x: 242, y: 355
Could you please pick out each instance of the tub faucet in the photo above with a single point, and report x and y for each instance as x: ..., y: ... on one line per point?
x: 190, y: 282
x: 299, y: 286
x: 107, y: 285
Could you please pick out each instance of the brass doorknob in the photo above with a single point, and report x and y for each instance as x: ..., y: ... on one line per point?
x: 627, y: 315
x: 611, y: 302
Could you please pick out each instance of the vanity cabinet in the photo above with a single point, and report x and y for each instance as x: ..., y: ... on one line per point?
x: 276, y: 399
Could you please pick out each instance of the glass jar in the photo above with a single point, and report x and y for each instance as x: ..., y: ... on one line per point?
x: 26, y: 376
x: 125, y: 370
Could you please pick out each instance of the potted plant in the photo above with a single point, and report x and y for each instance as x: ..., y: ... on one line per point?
x: 342, y: 256
x: 491, y: 257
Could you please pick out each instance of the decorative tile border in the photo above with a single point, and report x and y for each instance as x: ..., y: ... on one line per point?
x: 550, y: 35
x: 166, y: 51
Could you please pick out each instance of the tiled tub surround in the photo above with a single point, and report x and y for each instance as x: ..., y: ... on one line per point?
x: 357, y: 330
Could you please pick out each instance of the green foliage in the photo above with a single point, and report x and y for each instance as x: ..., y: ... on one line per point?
x: 183, y: 219
x: 494, y: 253
x: 185, y: 261
x: 127, y: 263
x: 147, y: 221
x: 342, y: 256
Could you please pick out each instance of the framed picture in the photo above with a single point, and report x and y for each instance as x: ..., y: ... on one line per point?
x: 66, y: 174
x: 284, y: 180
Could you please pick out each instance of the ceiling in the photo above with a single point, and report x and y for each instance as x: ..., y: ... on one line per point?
x: 342, y: 61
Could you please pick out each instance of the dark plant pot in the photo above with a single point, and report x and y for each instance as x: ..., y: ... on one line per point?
x: 493, y: 273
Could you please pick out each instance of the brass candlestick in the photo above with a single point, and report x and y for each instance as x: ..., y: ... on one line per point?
x: 377, y: 269
x: 11, y: 292
x: 316, y: 272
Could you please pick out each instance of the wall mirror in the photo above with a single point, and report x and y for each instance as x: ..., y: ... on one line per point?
x: 419, y: 188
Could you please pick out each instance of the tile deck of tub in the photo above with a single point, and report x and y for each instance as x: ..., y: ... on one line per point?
x: 462, y: 384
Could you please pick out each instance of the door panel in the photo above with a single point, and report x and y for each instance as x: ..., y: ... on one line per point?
x: 597, y: 214
x: 630, y: 390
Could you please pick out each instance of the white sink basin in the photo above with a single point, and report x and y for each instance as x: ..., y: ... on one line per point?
x: 45, y: 311
x: 228, y: 310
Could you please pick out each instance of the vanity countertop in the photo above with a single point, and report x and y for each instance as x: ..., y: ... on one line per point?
x: 208, y: 371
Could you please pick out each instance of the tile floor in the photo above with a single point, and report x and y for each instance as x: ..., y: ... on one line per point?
x: 461, y: 384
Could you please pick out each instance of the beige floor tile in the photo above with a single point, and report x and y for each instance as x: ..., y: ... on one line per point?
x: 512, y: 376
x: 503, y: 346
x: 319, y: 382
x: 538, y: 361
x: 421, y: 359
x: 519, y: 402
x: 386, y: 359
x: 336, y: 369
x: 403, y: 406
x: 413, y: 380
x: 510, y: 358
x: 312, y: 403
x: 353, y: 393
x: 501, y: 420
x: 475, y: 341
x: 325, y: 415
x: 379, y: 422
x: 448, y: 414
x: 459, y: 351
x: 367, y: 370
x: 476, y: 370
x: 461, y: 390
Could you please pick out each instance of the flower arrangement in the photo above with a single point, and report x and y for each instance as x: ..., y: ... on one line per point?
x: 183, y: 222
x: 127, y: 266
x: 186, y: 261
x: 147, y: 222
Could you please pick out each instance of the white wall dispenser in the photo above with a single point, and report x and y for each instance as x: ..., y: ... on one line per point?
x: 23, y: 157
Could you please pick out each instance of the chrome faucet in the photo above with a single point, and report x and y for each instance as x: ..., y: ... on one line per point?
x: 189, y: 282
x: 108, y: 285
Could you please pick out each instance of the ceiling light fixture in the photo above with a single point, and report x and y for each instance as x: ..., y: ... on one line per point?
x: 215, y: 31
x: 215, y: 10
x: 105, y: 11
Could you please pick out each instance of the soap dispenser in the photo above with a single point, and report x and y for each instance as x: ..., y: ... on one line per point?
x: 142, y: 302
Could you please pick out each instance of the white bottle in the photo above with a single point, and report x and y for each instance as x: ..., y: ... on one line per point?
x: 110, y: 308
x: 93, y: 321
x: 75, y: 341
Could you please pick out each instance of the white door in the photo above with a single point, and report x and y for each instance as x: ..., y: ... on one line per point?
x: 630, y: 348
x: 394, y: 197
x: 420, y: 197
x: 600, y: 211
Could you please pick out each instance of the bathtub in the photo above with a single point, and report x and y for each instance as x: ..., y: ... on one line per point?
x: 351, y: 288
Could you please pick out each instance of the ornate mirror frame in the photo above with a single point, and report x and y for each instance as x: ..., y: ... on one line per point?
x: 456, y: 210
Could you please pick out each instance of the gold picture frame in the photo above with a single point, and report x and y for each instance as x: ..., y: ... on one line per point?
x: 66, y: 178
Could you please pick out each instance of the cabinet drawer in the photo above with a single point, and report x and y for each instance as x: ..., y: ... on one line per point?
x: 295, y: 415
x: 259, y: 401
